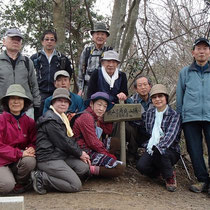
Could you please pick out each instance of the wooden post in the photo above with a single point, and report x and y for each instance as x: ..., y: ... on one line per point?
x: 121, y: 113
x: 123, y: 142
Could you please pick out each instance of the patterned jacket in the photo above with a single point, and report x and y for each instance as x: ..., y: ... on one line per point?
x: 170, y: 126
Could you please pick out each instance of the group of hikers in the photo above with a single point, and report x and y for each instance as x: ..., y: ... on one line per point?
x: 53, y: 139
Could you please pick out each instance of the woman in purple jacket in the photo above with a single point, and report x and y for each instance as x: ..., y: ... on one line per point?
x: 17, y: 142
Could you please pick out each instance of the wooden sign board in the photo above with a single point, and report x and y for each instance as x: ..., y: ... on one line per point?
x: 123, y: 112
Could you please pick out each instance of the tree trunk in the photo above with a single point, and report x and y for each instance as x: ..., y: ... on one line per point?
x: 59, y: 22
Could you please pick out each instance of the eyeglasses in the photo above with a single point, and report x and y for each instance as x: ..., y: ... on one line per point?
x: 52, y: 40
x: 157, y: 96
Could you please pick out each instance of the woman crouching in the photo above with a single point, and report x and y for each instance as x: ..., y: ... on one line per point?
x: 162, y: 149
x: 91, y: 131
x: 60, y: 161
x: 17, y: 142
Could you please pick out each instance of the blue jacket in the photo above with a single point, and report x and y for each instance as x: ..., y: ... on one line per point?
x: 193, y: 93
x: 45, y: 71
x: 77, y: 104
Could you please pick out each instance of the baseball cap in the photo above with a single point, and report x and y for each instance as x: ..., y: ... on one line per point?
x: 61, y: 72
x: 14, y: 32
x: 199, y: 40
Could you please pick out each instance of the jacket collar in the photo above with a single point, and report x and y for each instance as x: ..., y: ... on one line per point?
x: 194, y: 67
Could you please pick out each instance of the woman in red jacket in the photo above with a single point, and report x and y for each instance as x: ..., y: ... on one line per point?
x: 17, y: 141
x: 91, y: 131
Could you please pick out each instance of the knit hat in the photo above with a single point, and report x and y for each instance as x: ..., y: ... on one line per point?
x: 100, y: 27
x: 14, y: 32
x: 16, y: 90
x: 61, y: 93
x: 158, y: 88
x: 111, y: 55
x: 100, y: 95
x: 61, y: 72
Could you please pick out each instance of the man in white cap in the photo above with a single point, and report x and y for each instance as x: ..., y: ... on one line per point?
x: 109, y: 78
x: 62, y: 80
x: 16, y: 68
x: 91, y: 56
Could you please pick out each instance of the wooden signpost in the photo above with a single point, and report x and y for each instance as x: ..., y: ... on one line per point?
x: 121, y: 113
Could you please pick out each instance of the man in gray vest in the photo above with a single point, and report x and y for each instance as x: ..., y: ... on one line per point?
x: 91, y: 56
x: 18, y: 69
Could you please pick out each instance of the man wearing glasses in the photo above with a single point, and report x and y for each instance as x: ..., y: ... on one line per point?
x: 47, y: 62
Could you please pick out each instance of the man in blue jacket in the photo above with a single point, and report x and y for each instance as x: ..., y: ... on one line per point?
x: 46, y: 63
x: 193, y: 102
x: 62, y: 80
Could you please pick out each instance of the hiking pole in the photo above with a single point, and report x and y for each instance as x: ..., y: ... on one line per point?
x: 185, y: 167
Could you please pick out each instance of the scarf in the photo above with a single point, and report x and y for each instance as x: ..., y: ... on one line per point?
x: 108, y: 79
x: 65, y: 121
x: 157, y: 132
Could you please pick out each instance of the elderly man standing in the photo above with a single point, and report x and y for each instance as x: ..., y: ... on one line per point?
x: 62, y: 80
x: 109, y: 78
x: 193, y: 102
x: 16, y: 68
x: 134, y: 132
x: 46, y: 63
x: 91, y: 56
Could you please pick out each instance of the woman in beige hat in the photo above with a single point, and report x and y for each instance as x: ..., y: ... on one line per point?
x: 162, y: 149
x: 60, y: 161
x: 17, y: 141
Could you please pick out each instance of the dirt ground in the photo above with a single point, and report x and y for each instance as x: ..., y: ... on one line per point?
x: 128, y: 192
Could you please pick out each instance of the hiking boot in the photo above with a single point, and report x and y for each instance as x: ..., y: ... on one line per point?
x: 21, y: 188
x: 171, y: 184
x: 199, y: 187
x: 38, y: 186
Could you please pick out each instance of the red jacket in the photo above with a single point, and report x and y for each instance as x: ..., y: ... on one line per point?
x: 84, y: 130
x: 15, y: 136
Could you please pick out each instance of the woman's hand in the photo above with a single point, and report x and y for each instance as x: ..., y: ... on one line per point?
x: 85, y: 158
x: 29, y: 152
x: 121, y: 96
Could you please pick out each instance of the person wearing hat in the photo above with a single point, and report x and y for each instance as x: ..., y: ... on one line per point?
x: 90, y: 58
x: 60, y: 161
x: 16, y: 68
x: 47, y: 62
x: 109, y: 78
x: 62, y: 80
x: 193, y: 103
x: 17, y: 141
x: 91, y: 133
x: 162, y: 123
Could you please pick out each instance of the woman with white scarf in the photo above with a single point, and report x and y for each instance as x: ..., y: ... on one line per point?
x: 109, y: 78
x: 162, y: 148
x: 60, y: 161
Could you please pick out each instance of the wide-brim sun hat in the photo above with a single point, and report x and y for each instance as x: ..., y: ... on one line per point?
x: 61, y: 93
x: 100, y: 27
x: 158, y: 89
x: 111, y: 55
x: 100, y: 95
x: 16, y: 90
